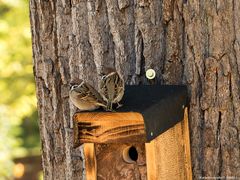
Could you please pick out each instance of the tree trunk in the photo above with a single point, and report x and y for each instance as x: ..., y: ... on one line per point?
x: 196, y: 43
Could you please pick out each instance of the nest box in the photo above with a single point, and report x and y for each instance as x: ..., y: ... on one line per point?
x: 147, y: 138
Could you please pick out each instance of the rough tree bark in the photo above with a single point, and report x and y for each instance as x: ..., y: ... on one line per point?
x: 190, y: 42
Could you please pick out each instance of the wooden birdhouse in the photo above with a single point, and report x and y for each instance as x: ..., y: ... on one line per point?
x: 147, y: 138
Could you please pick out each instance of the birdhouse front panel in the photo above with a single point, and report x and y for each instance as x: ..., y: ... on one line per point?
x: 121, y: 161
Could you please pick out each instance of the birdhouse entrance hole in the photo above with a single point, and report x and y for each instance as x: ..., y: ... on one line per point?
x: 130, y: 154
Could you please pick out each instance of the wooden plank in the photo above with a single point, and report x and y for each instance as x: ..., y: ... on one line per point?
x: 187, y: 146
x: 108, y: 127
x: 90, y: 161
x: 168, y: 156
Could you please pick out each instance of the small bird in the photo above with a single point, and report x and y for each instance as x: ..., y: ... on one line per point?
x: 112, y: 89
x: 85, y: 97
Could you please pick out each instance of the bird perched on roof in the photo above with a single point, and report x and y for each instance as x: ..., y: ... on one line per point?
x: 112, y: 88
x: 85, y: 97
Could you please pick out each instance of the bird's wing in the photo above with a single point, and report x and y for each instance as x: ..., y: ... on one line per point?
x: 94, y: 94
x: 103, y: 88
x: 112, y: 87
x: 87, y: 93
x: 119, y: 88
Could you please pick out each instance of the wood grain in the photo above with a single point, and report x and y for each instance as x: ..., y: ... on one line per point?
x: 168, y: 156
x: 108, y: 127
x: 187, y: 146
x: 90, y: 161
x: 111, y: 165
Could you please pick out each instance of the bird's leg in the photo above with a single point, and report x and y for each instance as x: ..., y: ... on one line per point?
x: 111, y: 107
x: 119, y: 105
x: 108, y: 106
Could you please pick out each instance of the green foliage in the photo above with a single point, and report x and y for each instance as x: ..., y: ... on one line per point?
x: 5, y: 148
x: 19, y: 134
x: 30, y: 136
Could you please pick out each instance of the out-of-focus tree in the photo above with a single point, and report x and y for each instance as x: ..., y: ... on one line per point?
x: 19, y: 134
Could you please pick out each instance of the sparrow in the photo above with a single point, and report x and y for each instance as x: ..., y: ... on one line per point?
x: 85, y: 97
x: 112, y: 89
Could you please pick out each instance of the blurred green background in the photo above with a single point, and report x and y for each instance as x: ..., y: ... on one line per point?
x: 19, y: 134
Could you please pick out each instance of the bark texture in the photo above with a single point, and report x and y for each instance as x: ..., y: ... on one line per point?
x: 190, y: 42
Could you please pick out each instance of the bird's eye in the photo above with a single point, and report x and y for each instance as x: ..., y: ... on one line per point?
x: 74, y: 86
x: 103, y: 77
